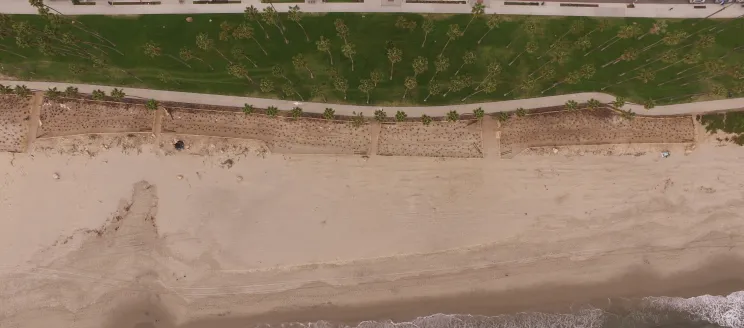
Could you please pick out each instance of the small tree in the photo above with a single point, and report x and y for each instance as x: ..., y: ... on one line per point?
x: 453, y: 33
x: 394, y: 55
x: 5, y: 90
x: 453, y: 116
x: 627, y: 114
x: 479, y: 113
x: 22, y: 91
x: 117, y: 94
x: 427, y: 26
x: 571, y: 105
x: 52, y: 93
x: 299, y: 63
x: 467, y: 59
x: 324, y: 45
x: 380, y: 115
x: 435, y: 88
x: 521, y: 112
x: 649, y: 104
x: 410, y: 84
x: 357, y: 120
x: 295, y: 15
x: 151, y: 104
x: 266, y: 85
x: 341, y: 85
x: 248, y: 109
x: 329, y: 114
x: 503, y: 117
x: 98, y: 95
x: 272, y: 111
x: 366, y: 86
x: 420, y: 65
x: 376, y: 77
x: 71, y: 92
x: 401, y: 116
x: 317, y: 92
x: 425, y: 119
x: 296, y: 112
x: 619, y: 102
x: 593, y: 104
x: 348, y: 50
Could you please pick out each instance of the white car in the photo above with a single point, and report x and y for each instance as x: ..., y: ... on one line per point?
x: 697, y: 1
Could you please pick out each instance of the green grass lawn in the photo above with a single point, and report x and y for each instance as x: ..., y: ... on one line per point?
x: 717, y: 72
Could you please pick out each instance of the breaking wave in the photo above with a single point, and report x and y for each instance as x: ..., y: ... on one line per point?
x: 651, y: 312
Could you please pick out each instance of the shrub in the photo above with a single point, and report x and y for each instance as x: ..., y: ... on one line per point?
x: 248, y: 109
x: 329, y: 114
x: 272, y: 111
x: 453, y: 116
x: 52, y: 93
x: 357, y: 120
x: 619, y: 102
x: 22, y: 91
x: 593, y: 104
x: 98, y: 95
x: 425, y: 119
x: 5, y: 90
x: 479, y: 113
x: 521, y: 112
x: 401, y: 116
x: 71, y: 92
x: 503, y: 116
x: 117, y: 94
x: 648, y: 104
x: 380, y: 115
x: 152, y: 104
x: 296, y: 112
x: 572, y: 105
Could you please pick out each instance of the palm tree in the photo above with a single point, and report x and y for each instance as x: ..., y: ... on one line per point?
x: 296, y: 112
x: 380, y: 115
x: 238, y: 70
x: 649, y: 104
x: 317, y: 92
x: 98, y: 95
x: 705, y: 41
x: 289, y: 91
x: 186, y: 55
x: 410, y: 84
x: 278, y: 71
x: 576, y: 27
x: 627, y: 114
x: 266, y: 85
x: 272, y: 111
x: 521, y: 112
x: 488, y: 87
x: 341, y: 29
x: 492, y: 69
x: 270, y: 17
x: 593, y: 104
x: 357, y: 119
x: 476, y: 11
x: 341, y: 85
x: 152, y: 104
x: 299, y: 63
x: 376, y: 77
x: 468, y: 58
x: 530, y: 47
x: 348, y: 51
x: 366, y: 86
x: 295, y: 15
x: 248, y: 109
x: 329, y: 114
x: 583, y: 43
x: 625, y: 32
x: 667, y: 57
x: 324, y: 45
x: 646, y: 75
x: 117, y: 94
x: 52, y: 93
x: 571, y: 105
x: 225, y: 29
x: 152, y: 50
x: 658, y: 28
x: 434, y: 88
x: 670, y: 39
x: 479, y: 113
x: 401, y: 116
x: 238, y: 53
x: 452, y: 34
x: 440, y: 65
x: 619, y: 102
x: 453, y: 116
x: 492, y: 22
x: 252, y: 14
x: 203, y: 42
x: 458, y: 83
x: 425, y: 119
x: 627, y: 55
x: 503, y: 117
x: 394, y: 56
x: 245, y: 31
x: 71, y: 92
x: 420, y: 65
x: 427, y: 26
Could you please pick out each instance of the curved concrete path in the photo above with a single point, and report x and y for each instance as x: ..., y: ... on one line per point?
x: 311, y: 107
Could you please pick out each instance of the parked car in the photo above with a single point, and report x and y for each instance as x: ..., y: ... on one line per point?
x: 697, y: 1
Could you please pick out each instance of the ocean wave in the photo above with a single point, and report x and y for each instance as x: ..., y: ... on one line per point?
x: 725, y: 311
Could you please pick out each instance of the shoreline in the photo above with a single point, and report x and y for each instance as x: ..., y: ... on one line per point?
x: 718, y: 277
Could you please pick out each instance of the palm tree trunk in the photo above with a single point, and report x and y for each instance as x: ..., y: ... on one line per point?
x: 299, y: 95
x: 262, y: 28
x: 642, y: 66
x: 352, y: 63
x: 311, y: 72
x: 103, y: 45
x: 422, y: 43
x: 445, y: 46
x: 484, y: 35
x: 472, y: 94
x: 223, y: 56
x: 303, y: 31
x: 392, y: 65
x: 679, y: 78
x: 368, y: 97
x: 611, y: 43
x: 202, y: 60
x: 468, y: 25
x: 553, y: 44
x: 19, y: 55
x: 551, y: 87
x: 685, y: 70
x: 427, y: 97
x: 458, y: 70
x: 612, y: 62
x: 651, y: 45
x: 512, y: 62
x: 510, y: 43
x: 643, y: 36
x: 259, y: 45
x: 250, y: 60
x: 599, y: 46
x: 330, y: 56
x: 433, y: 76
x: 621, y: 82
x: 178, y: 60
x: 405, y: 93
x: 539, y: 68
x: 282, y: 32
x: 344, y: 95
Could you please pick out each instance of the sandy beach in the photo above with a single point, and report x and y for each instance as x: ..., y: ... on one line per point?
x: 132, y: 232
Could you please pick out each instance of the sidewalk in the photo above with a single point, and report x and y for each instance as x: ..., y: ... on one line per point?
x: 494, y: 7
x: 310, y: 107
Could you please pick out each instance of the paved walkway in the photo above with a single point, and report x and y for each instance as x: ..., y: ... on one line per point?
x: 310, y: 107
x: 685, y: 10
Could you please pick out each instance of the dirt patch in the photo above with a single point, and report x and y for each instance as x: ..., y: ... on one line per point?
x: 439, y: 139
x: 14, y: 113
x: 282, y: 135
x: 597, y: 127
x: 70, y: 117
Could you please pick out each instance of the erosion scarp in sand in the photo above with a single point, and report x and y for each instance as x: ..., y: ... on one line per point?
x: 14, y: 113
x: 70, y: 117
x: 439, y: 139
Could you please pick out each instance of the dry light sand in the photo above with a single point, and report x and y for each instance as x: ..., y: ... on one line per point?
x: 144, y: 234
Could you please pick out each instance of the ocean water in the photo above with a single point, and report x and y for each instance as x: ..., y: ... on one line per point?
x: 651, y: 312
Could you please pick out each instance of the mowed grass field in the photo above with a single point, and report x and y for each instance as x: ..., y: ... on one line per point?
x: 538, y: 56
